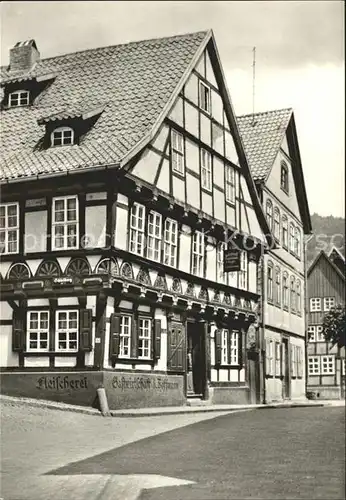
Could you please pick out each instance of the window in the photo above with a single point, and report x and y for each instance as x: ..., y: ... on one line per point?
x: 125, y: 337
x: 9, y: 228
x: 293, y: 294
x: 198, y: 254
x: 315, y: 304
x: 319, y: 333
x: 221, y: 277
x: 321, y: 365
x: 292, y: 238
x: 294, y: 361
x: 234, y: 348
x: 284, y: 231
x: 137, y: 220
x: 311, y: 333
x: 277, y: 359
x: 328, y: 303
x: 284, y: 177
x: 314, y: 365
x: 298, y: 297
x: 170, y: 242
x: 230, y: 184
x: 37, y: 330
x: 204, y: 97
x: 18, y: 98
x: 297, y: 242
x: 285, y: 290
x: 277, y: 223
x: 270, y: 357
x: 154, y: 236
x: 224, y: 347
x: 67, y: 330
x: 177, y: 152
x: 327, y: 365
x: 65, y: 223
x: 62, y: 136
x: 243, y: 270
x: 144, y: 338
x: 277, y: 286
x: 206, y: 169
x: 270, y: 282
x: 343, y: 366
x: 269, y: 213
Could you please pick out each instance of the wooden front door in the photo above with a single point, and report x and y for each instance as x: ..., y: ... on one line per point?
x: 196, y: 370
x: 285, y: 370
x: 176, y: 352
x: 253, y: 376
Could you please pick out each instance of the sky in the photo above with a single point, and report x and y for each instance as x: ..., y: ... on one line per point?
x: 299, y: 61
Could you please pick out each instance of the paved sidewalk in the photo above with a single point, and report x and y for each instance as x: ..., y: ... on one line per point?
x: 169, y: 410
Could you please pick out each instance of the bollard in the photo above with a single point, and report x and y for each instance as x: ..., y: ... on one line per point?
x: 101, y: 393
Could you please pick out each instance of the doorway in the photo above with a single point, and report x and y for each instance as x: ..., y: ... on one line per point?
x: 285, y: 370
x: 195, y: 363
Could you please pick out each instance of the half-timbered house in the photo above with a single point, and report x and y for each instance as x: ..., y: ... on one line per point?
x: 123, y: 180
x: 326, y: 289
x: 271, y: 144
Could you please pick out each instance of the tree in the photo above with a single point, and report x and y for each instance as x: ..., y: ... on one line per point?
x: 334, y: 326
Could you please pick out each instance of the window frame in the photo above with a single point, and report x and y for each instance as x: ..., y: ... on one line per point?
x: 269, y: 213
x: 315, y: 304
x: 224, y: 346
x: 326, y: 306
x: 292, y: 237
x: 221, y: 276
x: 284, y: 222
x: 285, y: 291
x: 63, y: 131
x: 38, y: 331
x: 198, y: 254
x: 326, y: 361
x: 170, y: 245
x: 298, y: 296
x: 9, y: 229
x: 137, y: 230
x: 277, y: 297
x: 270, y: 275
x: 314, y: 362
x: 144, y: 338
x: 19, y: 93
x: 206, y: 97
x: 206, y: 171
x: 243, y: 273
x: 178, y: 154
x: 277, y: 223
x: 278, y: 359
x: 58, y: 330
x: 230, y: 184
x: 284, y: 184
x: 127, y: 335
x: 234, y: 344
x: 293, y: 300
x: 65, y: 223
x: 153, y: 253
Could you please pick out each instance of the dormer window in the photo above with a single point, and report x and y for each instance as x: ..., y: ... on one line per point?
x: 62, y: 136
x: 18, y: 98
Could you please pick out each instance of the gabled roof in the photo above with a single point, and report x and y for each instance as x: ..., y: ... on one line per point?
x: 133, y: 82
x: 262, y: 135
x: 336, y: 251
x: 323, y: 255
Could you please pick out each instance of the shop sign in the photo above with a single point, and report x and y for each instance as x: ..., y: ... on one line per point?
x: 60, y: 383
x: 159, y: 384
x: 231, y: 260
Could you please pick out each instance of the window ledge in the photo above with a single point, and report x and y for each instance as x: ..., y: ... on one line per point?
x: 235, y: 367
x: 206, y: 190
x: 181, y: 175
x: 51, y: 353
x: 132, y: 361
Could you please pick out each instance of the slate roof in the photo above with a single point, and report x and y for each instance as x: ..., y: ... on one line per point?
x: 262, y: 134
x: 131, y: 84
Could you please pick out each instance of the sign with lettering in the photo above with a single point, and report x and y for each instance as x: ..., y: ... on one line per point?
x: 37, y: 202
x: 96, y: 196
x: 63, y: 281
x: 231, y: 260
x: 142, y: 383
x: 59, y: 383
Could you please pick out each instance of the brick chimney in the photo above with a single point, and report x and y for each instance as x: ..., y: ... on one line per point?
x: 23, y: 56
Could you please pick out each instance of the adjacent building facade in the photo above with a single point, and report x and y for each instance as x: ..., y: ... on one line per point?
x: 124, y: 181
x: 271, y: 144
x: 326, y: 289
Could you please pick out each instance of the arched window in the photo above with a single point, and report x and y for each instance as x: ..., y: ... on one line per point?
x: 277, y: 223
x: 18, y: 98
x: 298, y: 297
x: 284, y: 231
x: 298, y: 242
x: 284, y: 177
x: 277, y: 286
x: 293, y: 294
x: 62, y: 136
x: 270, y: 282
x: 269, y: 213
x: 292, y: 237
x: 285, y: 290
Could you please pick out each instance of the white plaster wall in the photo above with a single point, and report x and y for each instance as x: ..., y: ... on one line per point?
x: 8, y: 358
x: 36, y: 362
x: 62, y: 361
x: 120, y: 239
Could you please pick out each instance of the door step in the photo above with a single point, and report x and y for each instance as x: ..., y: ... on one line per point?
x: 196, y: 401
